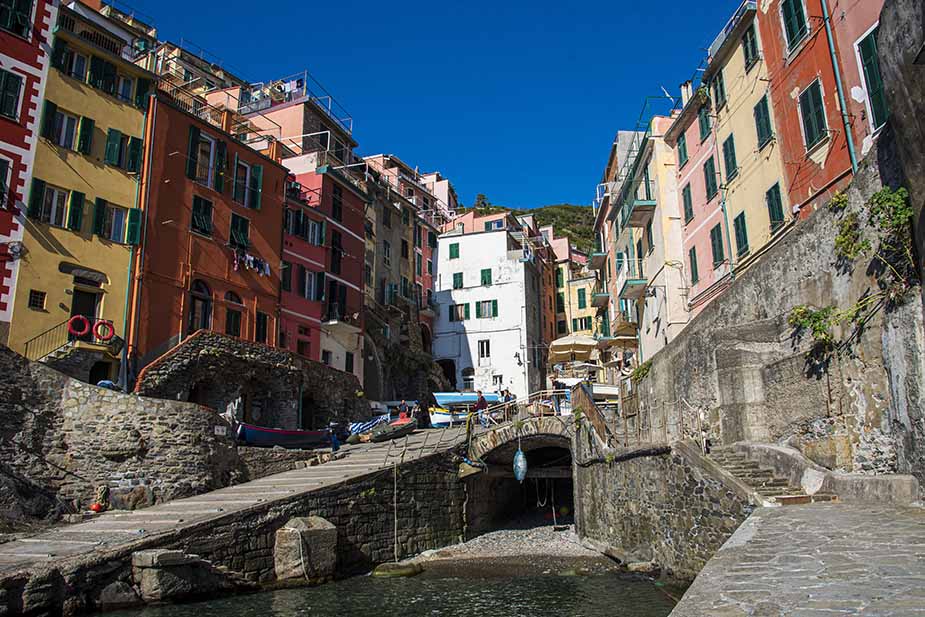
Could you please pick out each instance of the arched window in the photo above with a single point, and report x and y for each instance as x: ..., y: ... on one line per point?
x: 233, y: 314
x: 200, y: 307
x: 468, y: 375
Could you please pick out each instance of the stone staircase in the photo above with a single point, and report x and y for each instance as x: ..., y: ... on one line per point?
x: 763, y: 480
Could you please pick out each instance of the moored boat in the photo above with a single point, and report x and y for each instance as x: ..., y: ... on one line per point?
x: 269, y: 437
x: 394, y: 430
x: 453, y: 408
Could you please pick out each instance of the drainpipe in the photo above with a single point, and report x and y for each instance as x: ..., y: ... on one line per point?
x: 123, y: 364
x: 838, y: 86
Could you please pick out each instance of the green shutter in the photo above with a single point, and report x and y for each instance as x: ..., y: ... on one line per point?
x: 221, y: 153
x: 688, y: 204
x: 48, y: 120
x: 192, y: 151
x: 870, y: 59
x: 716, y: 244
x: 703, y: 118
x: 682, y: 149
x: 99, y: 216
x: 95, y: 73
x: 256, y: 186
x: 141, y: 93
x: 729, y: 157
x: 486, y: 276
x: 692, y: 256
x: 466, y: 310
x: 319, y: 286
x: 113, y: 143
x: 494, y: 308
x: 134, y: 154
x: 36, y: 196
x: 814, y: 123
x: 10, y: 88
x: 457, y: 280
x: 582, y: 300
x: 488, y: 226
x: 574, y: 325
x: 454, y: 251
x: 478, y: 310
x: 58, y: 54
x: 85, y: 136
x: 75, y: 211
x: 741, y: 233
x: 110, y: 77
x: 709, y: 177
x: 234, y: 178
x: 794, y: 21
x: 763, y: 121
x: 133, y: 228
x: 775, y: 207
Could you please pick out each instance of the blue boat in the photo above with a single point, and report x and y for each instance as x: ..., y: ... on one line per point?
x: 269, y: 437
x: 454, y: 407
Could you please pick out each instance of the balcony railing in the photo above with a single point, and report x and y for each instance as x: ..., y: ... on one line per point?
x: 631, y: 278
x: 338, y: 314
x: 720, y: 40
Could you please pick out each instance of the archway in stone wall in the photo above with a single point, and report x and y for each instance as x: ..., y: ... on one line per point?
x: 449, y: 370
x: 426, y: 339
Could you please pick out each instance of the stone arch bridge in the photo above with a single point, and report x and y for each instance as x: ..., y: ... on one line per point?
x: 545, y: 433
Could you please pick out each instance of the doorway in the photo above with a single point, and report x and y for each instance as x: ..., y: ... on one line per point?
x: 84, y: 303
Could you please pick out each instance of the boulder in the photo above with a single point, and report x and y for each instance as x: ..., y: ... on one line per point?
x: 305, y: 548
x: 118, y: 595
x: 398, y: 569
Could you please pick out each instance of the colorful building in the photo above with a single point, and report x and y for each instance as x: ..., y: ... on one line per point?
x: 210, y: 249
x: 83, y: 218
x: 25, y: 37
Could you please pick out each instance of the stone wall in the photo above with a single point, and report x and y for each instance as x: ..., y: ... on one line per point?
x: 739, y: 371
x: 69, y: 438
x: 262, y: 462
x: 256, y: 383
x: 670, y: 507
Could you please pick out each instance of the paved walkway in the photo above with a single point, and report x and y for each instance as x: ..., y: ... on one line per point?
x: 121, y: 527
x: 816, y: 561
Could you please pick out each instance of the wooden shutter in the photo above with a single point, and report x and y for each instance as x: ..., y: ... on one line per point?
x: 36, y: 196
x: 113, y: 143
x: 256, y: 186
x: 494, y: 308
x: 95, y: 74
x: 133, y: 228
x: 870, y: 59
x: 75, y: 212
x: 134, y: 154
x: 454, y: 251
x: 99, y: 216
x: 48, y: 120
x: 58, y: 54
x: 110, y: 77
x: 221, y: 166
x: 192, y: 151
x: 319, y: 286
x: 85, y: 136
x: 141, y: 92
x: 466, y: 310
x: 478, y: 310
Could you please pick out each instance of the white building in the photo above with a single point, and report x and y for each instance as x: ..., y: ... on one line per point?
x: 488, y: 334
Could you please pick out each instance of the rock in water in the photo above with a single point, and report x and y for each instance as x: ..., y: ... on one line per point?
x: 305, y: 548
x: 398, y: 569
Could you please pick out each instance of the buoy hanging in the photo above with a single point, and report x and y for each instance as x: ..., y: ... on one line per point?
x: 104, y: 330
x: 78, y: 325
x: 520, y: 465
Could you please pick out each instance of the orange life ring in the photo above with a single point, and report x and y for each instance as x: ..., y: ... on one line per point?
x: 110, y: 330
x: 85, y: 325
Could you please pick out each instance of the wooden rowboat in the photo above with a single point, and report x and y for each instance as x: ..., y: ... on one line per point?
x: 394, y: 430
x: 269, y: 437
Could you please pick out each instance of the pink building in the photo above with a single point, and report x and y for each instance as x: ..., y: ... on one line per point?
x: 705, y: 235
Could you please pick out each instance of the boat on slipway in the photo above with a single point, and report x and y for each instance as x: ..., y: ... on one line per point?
x: 452, y: 408
x: 269, y: 437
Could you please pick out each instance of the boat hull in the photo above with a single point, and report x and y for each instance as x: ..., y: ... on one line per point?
x: 262, y: 437
x: 385, y: 432
x: 443, y: 418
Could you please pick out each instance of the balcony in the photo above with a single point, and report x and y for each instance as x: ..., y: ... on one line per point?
x: 638, y: 212
x: 731, y: 30
x: 631, y: 279
x: 340, y: 319
x: 597, y: 261
x: 600, y: 299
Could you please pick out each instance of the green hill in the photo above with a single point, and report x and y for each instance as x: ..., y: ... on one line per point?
x: 576, y: 222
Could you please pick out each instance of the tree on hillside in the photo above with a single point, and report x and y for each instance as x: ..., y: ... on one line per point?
x: 481, y: 202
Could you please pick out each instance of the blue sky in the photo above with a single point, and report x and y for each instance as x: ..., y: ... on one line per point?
x: 516, y: 100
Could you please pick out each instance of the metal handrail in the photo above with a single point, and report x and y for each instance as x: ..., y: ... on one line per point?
x: 59, y: 336
x: 511, y: 410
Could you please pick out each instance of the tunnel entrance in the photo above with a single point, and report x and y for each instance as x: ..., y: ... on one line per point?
x: 545, y: 497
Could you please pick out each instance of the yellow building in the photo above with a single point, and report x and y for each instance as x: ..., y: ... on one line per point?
x: 579, y: 312
x: 752, y: 166
x: 82, y: 221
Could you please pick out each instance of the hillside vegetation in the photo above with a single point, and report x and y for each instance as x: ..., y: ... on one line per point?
x: 576, y: 222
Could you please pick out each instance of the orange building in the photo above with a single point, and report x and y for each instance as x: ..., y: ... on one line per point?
x: 212, y: 235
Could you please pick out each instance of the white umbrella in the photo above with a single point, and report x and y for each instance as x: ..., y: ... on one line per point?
x: 575, y: 347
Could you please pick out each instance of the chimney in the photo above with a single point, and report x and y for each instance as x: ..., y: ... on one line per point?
x: 96, y: 5
x: 687, y: 91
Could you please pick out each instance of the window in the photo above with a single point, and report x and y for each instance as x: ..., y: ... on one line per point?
x: 114, y: 221
x: 233, y: 314
x: 682, y: 150
x: 10, y: 89
x: 126, y: 87
x: 560, y: 302
x: 53, y: 207
x: 870, y: 63
x: 486, y: 309
x: 703, y: 119
x: 582, y: 299
x: 763, y: 122
x: 65, y: 130
x: 815, y: 128
x: 486, y: 277
x: 719, y: 90
x: 750, y: 46
x: 203, y: 153
x: 202, y: 216
x: 454, y: 250
x: 405, y: 216
x: 430, y: 266
x: 716, y: 245
x: 261, y: 324
x: 775, y: 207
x: 36, y: 300
x: 692, y: 258
x: 729, y: 158
x: 561, y: 327
x: 310, y: 285
x: 457, y: 280
x: 497, y: 381
x: 404, y: 249
x: 386, y: 252
x: 337, y: 203
x: 348, y: 362
x: 431, y: 239
x: 75, y: 65
x: 16, y: 16
x: 418, y: 264
x: 337, y: 251
x: 688, y: 204
x: 484, y: 349
x: 242, y: 174
x: 285, y: 276
x: 459, y: 312
x: 326, y: 357
x: 741, y: 234
x: 240, y: 232
x: 468, y: 375
x: 387, y: 217
x: 560, y: 278
x: 581, y: 323
x: 200, y: 313
x: 794, y: 22
x: 405, y: 287
x: 418, y: 236
x: 709, y: 178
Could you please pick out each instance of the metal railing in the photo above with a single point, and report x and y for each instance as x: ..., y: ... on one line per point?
x: 59, y: 336
x: 539, y: 403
